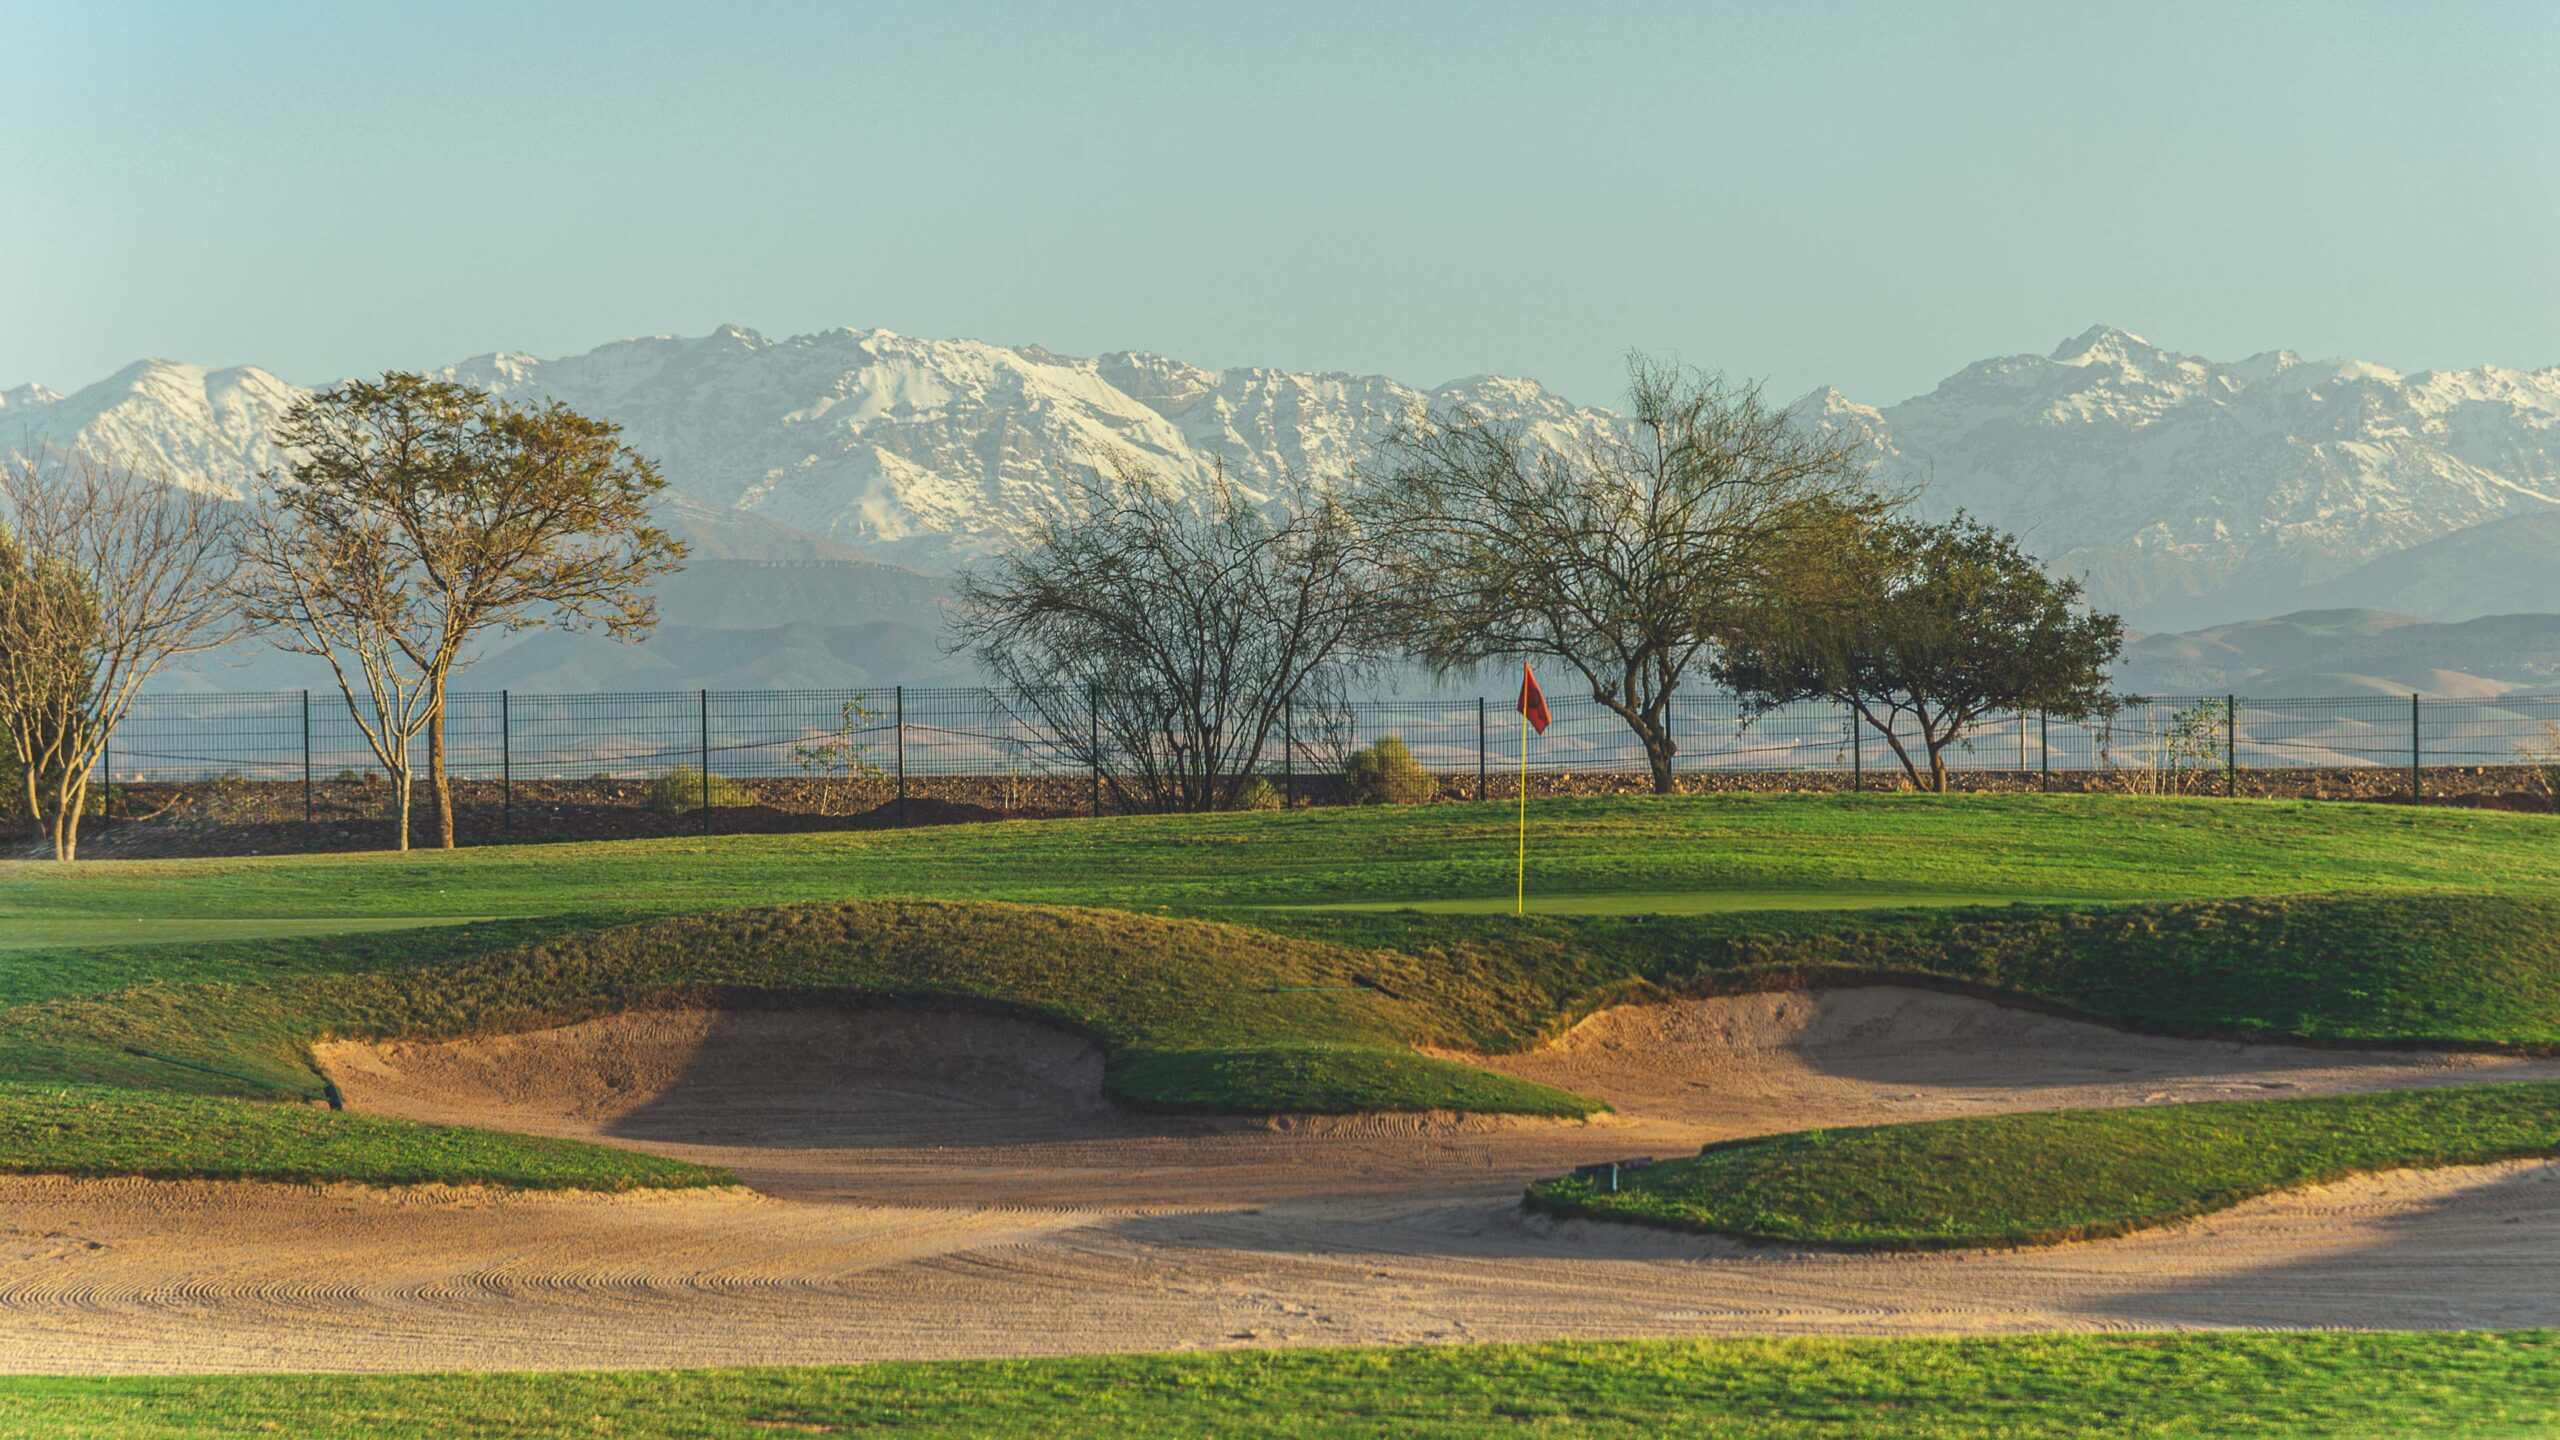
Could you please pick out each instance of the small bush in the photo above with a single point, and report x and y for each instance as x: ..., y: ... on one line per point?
x: 1258, y: 794
x: 681, y: 789
x: 1385, y: 773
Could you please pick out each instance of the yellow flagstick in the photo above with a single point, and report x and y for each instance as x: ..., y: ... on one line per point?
x: 1520, y: 902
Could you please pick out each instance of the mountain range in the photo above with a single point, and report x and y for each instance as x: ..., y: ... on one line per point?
x: 835, y: 479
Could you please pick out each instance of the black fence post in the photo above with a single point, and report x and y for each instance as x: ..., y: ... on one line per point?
x: 308, y: 808
x: 898, y: 699
x: 506, y: 768
x: 706, y: 761
x: 1857, y: 751
x: 1289, y: 754
x: 1480, y: 749
x: 2413, y: 745
x: 2230, y: 746
x: 2044, y: 752
x: 1093, y: 717
x: 107, y: 764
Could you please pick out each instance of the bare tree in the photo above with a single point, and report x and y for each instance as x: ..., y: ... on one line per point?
x: 1623, y: 554
x: 106, y: 575
x: 418, y: 515
x: 1162, y: 641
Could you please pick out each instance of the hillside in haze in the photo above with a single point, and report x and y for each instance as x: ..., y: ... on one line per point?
x: 2188, y: 492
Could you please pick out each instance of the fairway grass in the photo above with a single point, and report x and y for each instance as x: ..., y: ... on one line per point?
x: 2456, y: 1383
x: 2043, y: 1177
x: 1673, y: 902
x: 76, y: 932
x: 1867, y: 850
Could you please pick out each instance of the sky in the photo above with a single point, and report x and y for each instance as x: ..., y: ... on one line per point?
x: 1861, y: 195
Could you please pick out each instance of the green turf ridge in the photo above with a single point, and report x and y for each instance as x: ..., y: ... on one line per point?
x: 1213, y: 980
x: 1236, y: 1017
x: 2044, y: 1177
x: 102, y: 1130
x: 2483, y: 1384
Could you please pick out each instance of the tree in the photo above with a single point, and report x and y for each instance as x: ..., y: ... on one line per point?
x: 106, y: 575
x: 1623, y: 554
x: 417, y: 516
x: 1943, y: 625
x: 1161, y: 640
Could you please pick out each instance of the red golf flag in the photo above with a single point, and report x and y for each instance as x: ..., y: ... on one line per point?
x: 1533, y: 701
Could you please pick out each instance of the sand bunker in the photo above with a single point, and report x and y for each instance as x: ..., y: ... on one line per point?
x: 741, y: 1077
x: 940, y: 1185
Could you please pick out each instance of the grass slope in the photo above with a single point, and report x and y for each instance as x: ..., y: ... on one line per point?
x: 2265, y: 1385
x: 99, y: 1130
x: 2042, y: 1177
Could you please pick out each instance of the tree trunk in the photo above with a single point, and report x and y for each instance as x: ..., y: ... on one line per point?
x: 401, y: 780
x: 436, y: 778
x: 1937, y: 769
x: 1658, y: 750
x: 69, y: 800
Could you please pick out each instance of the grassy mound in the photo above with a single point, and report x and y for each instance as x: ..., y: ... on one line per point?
x: 99, y: 1130
x: 2021, y: 1388
x: 1237, y: 1017
x: 2043, y: 1177
x: 1201, y: 953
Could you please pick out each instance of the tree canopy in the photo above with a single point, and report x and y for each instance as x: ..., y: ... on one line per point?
x: 1936, y: 627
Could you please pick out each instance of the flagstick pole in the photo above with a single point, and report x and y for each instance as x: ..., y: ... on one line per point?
x: 1520, y: 901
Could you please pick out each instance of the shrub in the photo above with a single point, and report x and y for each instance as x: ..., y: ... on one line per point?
x: 1258, y: 794
x: 681, y: 789
x: 1385, y: 773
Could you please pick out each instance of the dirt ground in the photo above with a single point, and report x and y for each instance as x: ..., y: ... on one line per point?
x: 936, y: 1185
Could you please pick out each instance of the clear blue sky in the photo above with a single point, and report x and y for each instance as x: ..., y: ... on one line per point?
x: 1863, y: 195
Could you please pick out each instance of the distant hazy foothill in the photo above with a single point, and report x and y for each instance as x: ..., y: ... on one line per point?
x: 830, y: 484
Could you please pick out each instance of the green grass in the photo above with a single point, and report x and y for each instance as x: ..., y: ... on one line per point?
x: 98, y: 1130
x: 1278, y: 963
x: 2043, y: 1177
x: 71, y: 932
x: 1866, y: 850
x: 2471, y: 1384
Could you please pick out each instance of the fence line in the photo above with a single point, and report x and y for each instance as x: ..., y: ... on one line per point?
x: 308, y: 736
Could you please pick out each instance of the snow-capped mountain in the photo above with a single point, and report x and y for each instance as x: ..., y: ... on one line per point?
x: 931, y: 452
x: 2185, y: 490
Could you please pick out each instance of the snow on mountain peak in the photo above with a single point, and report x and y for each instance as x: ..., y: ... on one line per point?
x: 2100, y: 342
x: 2180, y: 488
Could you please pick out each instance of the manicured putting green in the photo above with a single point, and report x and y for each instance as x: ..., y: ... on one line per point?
x: 1676, y: 902
x: 52, y: 932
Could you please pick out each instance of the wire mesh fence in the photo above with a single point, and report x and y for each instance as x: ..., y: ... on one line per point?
x: 925, y: 732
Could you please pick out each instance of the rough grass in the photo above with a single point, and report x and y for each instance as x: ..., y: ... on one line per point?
x: 2471, y: 1384
x: 2043, y: 1177
x: 95, y: 1130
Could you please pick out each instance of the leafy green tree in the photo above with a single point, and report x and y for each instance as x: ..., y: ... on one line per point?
x: 419, y: 515
x: 1930, y: 628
